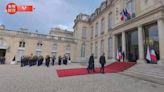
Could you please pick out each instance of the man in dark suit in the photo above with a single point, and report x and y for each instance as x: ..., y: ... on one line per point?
x: 91, y: 65
x: 47, y: 60
x: 59, y: 60
x: 102, y: 62
x: 53, y: 60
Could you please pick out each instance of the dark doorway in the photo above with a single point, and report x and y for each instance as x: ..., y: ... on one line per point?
x: 2, y: 52
x: 132, y: 51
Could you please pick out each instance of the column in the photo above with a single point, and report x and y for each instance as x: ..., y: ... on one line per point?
x: 161, y: 40
x: 114, y: 48
x: 140, y: 45
x: 123, y: 42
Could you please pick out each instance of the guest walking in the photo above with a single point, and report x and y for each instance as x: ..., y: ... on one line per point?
x: 102, y: 62
x: 91, y: 65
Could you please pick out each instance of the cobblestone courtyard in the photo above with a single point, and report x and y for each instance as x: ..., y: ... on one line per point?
x: 42, y: 79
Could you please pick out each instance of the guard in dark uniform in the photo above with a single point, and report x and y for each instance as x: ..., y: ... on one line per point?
x: 102, y: 62
x: 91, y: 65
x: 40, y: 60
x: 53, y: 60
x: 65, y: 60
x: 59, y: 60
x: 47, y: 60
x: 31, y: 60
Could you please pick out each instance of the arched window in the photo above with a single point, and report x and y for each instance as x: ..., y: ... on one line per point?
x: 22, y: 44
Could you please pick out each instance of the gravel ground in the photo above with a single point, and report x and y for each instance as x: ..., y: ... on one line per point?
x: 42, y: 79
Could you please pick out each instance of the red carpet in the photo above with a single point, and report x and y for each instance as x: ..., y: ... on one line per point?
x: 112, y: 68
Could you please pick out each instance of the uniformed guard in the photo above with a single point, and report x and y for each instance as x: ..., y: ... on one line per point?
x: 47, y: 60
x: 65, y: 60
x: 59, y: 60
x: 53, y: 60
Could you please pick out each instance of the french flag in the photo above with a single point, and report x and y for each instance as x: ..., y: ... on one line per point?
x: 122, y: 15
x: 148, y: 57
x: 119, y: 55
x: 153, y: 55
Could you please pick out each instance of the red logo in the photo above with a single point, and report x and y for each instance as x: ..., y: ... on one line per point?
x: 12, y: 8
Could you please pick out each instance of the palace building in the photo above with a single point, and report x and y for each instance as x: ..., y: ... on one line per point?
x: 129, y: 26
x: 18, y: 43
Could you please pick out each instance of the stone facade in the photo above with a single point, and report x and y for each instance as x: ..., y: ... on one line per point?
x: 106, y: 32
x: 18, y: 43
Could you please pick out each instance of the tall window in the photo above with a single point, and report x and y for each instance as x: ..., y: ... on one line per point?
x: 102, y: 25
x: 96, y: 50
x: 84, y: 33
x: 21, y: 50
x: 97, y: 26
x: 83, y: 50
x: 102, y: 47
x: 110, y: 47
x: 39, y: 48
x: 130, y: 5
x: 110, y: 21
x: 22, y: 44
x: 117, y: 15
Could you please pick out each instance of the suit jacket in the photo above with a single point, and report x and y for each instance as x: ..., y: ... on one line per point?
x: 102, y: 60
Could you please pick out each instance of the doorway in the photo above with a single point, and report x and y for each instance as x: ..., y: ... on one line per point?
x: 2, y: 52
x: 132, y: 51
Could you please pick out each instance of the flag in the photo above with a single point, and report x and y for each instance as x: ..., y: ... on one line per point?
x: 153, y: 55
x: 122, y: 16
x: 119, y: 55
x: 126, y: 14
x: 148, y: 54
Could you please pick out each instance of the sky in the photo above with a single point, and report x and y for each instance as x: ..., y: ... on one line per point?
x: 47, y: 14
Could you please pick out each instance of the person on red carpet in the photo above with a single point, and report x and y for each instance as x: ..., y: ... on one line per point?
x: 91, y: 65
x: 102, y: 61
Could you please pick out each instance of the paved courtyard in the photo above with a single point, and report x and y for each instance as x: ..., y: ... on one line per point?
x: 42, y: 79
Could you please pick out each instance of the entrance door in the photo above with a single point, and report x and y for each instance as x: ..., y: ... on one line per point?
x: 151, y: 39
x: 132, y: 46
x: 2, y: 52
